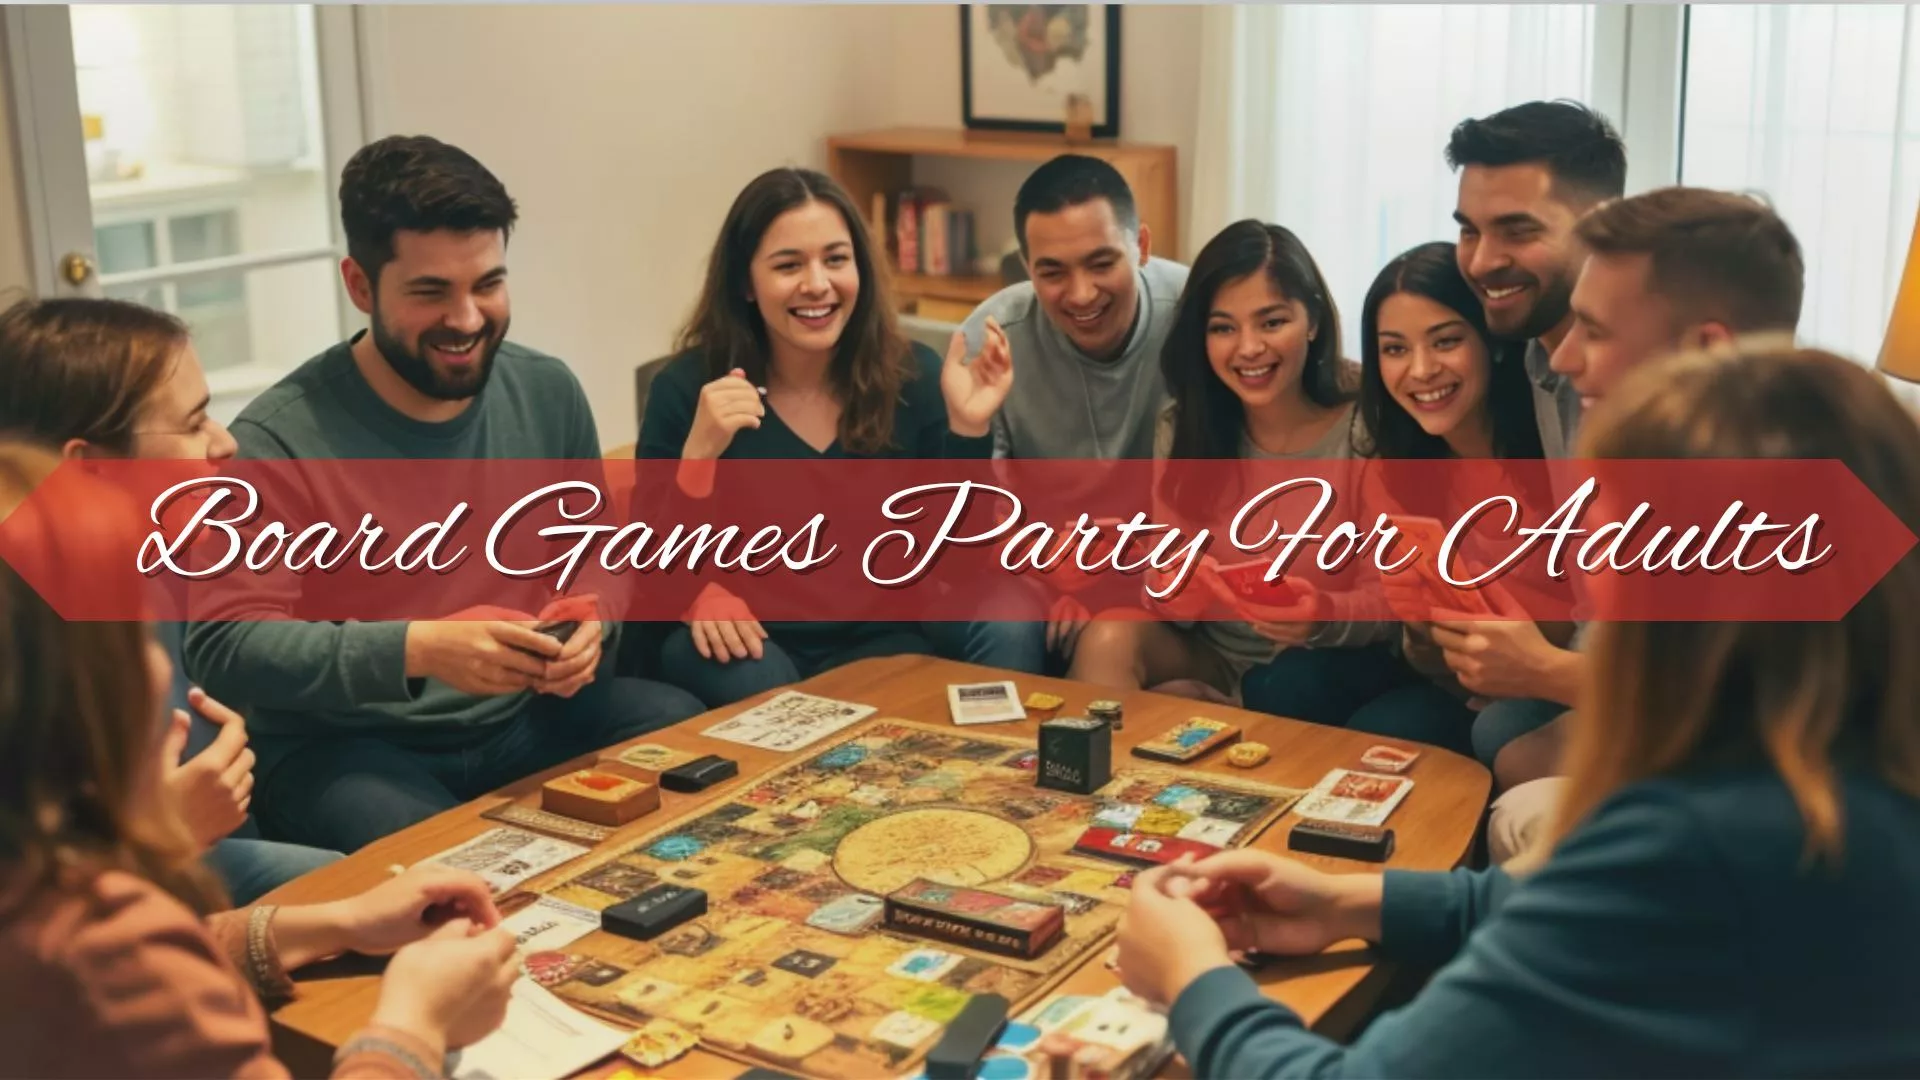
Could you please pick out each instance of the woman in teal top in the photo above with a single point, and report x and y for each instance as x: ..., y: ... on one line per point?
x: 1735, y: 884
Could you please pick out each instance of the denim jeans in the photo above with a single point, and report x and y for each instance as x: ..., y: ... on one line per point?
x: 1505, y: 720
x: 1011, y: 646
x: 252, y: 868
x: 787, y: 657
x: 1368, y: 689
x: 343, y: 791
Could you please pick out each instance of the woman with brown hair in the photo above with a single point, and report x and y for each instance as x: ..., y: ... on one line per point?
x: 1733, y: 887
x: 105, y: 378
x: 106, y: 964
x: 794, y: 352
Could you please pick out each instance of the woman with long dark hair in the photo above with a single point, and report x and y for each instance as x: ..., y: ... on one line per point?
x: 1434, y: 384
x: 794, y: 351
x: 1253, y: 366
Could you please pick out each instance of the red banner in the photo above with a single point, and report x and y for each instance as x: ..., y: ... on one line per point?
x: 958, y: 540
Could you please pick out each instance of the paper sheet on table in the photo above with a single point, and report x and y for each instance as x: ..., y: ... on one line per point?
x: 542, y: 1038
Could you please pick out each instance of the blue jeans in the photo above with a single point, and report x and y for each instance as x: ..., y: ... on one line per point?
x: 1507, y: 719
x: 788, y: 656
x: 1325, y: 686
x: 1013, y: 646
x: 345, y: 791
x: 1368, y: 689
x: 252, y: 868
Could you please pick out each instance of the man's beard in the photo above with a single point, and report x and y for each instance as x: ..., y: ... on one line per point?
x: 1552, y: 300
x: 412, y: 365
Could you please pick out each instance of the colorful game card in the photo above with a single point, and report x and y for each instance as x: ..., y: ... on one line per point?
x: 1193, y: 738
x: 506, y: 857
x: 789, y: 721
x: 1355, y: 798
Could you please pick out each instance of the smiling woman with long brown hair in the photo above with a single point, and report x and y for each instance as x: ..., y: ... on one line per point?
x: 115, y: 956
x: 1733, y: 887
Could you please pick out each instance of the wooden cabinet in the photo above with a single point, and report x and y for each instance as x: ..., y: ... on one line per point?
x: 882, y: 161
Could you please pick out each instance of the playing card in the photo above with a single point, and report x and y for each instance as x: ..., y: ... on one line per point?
x: 513, y: 813
x: 548, y: 924
x: 789, y: 721
x: 506, y: 857
x: 1192, y: 738
x: 1355, y: 798
x: 657, y: 1042
x: 984, y: 703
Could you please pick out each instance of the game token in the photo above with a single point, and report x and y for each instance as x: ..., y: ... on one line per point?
x: 1248, y: 754
x: 658, y: 1042
x: 599, y: 797
x: 1108, y: 712
x: 1042, y: 702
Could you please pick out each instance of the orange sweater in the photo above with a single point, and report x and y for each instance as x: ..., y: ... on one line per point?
x: 122, y: 980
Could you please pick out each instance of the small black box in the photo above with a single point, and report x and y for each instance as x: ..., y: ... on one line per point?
x: 1368, y: 843
x: 654, y: 912
x: 968, y: 1038
x: 1076, y: 754
x: 700, y: 773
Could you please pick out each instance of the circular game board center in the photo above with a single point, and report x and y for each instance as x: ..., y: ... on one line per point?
x: 952, y: 847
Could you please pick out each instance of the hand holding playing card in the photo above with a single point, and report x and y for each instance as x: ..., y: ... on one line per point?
x: 579, y: 658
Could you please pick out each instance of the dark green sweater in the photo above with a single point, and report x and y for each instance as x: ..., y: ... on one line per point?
x: 1675, y: 933
x: 320, y: 677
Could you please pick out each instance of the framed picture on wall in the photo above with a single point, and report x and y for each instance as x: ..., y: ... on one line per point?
x: 1020, y: 64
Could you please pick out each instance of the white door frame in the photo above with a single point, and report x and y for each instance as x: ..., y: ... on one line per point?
x: 46, y: 101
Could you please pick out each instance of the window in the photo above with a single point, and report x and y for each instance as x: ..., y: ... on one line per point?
x: 1816, y: 107
x: 1353, y: 158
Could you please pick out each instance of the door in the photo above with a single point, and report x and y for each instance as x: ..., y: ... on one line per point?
x: 186, y: 156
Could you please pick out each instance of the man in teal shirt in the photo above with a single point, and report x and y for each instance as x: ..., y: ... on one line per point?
x: 393, y: 722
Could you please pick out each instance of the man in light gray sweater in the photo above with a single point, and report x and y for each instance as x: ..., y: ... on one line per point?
x: 1084, y: 334
x: 1085, y: 330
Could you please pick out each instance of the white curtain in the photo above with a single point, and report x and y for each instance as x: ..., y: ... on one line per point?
x: 1333, y: 119
x: 1816, y: 107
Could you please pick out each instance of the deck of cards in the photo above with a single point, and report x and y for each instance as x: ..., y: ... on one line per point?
x: 1193, y: 738
x: 1354, y: 798
x: 789, y: 721
x: 984, y: 703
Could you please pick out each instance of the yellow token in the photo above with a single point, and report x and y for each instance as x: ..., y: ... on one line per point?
x: 1247, y: 754
x: 1043, y: 702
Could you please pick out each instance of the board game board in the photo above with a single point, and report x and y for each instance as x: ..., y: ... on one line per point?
x: 790, y: 967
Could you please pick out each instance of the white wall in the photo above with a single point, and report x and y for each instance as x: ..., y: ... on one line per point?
x: 1159, y: 99
x: 624, y: 133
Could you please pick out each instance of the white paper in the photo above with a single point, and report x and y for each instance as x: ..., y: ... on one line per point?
x: 505, y: 857
x: 789, y: 721
x: 542, y: 1038
x: 1354, y: 798
x: 550, y: 924
x: 984, y: 703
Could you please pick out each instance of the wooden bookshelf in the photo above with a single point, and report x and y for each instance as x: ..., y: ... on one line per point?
x: 882, y: 161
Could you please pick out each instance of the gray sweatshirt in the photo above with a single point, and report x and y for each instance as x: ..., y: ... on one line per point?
x: 1064, y: 404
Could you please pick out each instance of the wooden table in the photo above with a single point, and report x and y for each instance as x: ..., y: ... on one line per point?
x: 1434, y: 829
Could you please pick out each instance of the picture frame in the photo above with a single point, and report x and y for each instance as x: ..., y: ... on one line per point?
x: 1019, y: 63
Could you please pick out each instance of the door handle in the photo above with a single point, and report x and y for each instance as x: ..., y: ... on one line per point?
x: 76, y: 267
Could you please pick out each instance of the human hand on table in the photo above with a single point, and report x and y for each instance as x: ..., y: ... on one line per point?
x: 1189, y: 917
